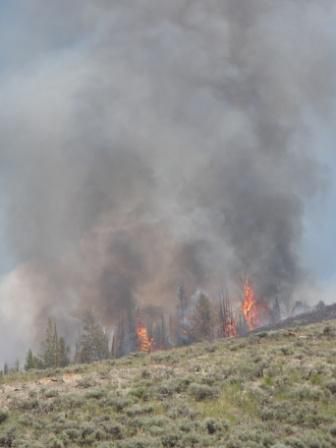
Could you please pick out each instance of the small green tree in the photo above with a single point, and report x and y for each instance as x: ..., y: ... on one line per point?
x: 55, y: 352
x: 63, y: 353
x: 50, y: 346
x: 93, y: 344
x: 29, y: 364
x: 32, y: 361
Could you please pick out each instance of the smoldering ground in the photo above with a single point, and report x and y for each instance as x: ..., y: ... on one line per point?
x: 145, y: 144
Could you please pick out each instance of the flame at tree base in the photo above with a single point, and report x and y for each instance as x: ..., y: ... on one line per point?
x: 230, y: 329
x: 145, y: 343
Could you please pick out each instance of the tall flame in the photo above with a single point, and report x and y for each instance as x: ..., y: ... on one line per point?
x: 145, y: 343
x: 256, y: 313
x: 249, y: 306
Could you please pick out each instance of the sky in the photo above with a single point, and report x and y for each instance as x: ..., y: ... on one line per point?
x: 150, y: 75
x: 320, y: 222
x: 21, y: 47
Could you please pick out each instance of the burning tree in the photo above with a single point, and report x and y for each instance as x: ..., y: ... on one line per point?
x: 255, y: 312
x: 228, y: 324
x: 145, y: 342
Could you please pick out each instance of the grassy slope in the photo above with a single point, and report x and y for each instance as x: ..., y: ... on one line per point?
x: 276, y: 388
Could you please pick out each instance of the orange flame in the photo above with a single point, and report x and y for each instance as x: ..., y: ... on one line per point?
x: 249, y: 307
x: 255, y: 313
x: 145, y: 343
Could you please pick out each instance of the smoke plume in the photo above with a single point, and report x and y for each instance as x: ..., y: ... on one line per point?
x: 148, y: 144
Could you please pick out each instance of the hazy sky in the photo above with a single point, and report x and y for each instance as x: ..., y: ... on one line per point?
x: 191, y: 127
x: 25, y: 40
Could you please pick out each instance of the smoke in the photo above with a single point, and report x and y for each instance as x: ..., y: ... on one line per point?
x: 148, y: 144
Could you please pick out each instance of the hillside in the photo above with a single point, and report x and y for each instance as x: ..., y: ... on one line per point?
x: 268, y: 389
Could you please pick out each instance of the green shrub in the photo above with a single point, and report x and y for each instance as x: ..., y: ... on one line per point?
x: 119, y: 403
x: 7, y: 439
x: 73, y: 433
x: 333, y: 431
x: 170, y: 440
x: 3, y: 416
x: 202, y: 392
x: 28, y: 404
x: 331, y: 386
x: 86, y: 429
x: 295, y: 442
x: 305, y: 392
x: 71, y: 401
x: 51, y: 393
x: 138, y: 442
x: 140, y: 392
x: 54, y: 442
x: 95, y: 394
x: 138, y: 409
x: 114, y: 430
x: 87, y: 382
x: 178, y: 411
x: 213, y: 426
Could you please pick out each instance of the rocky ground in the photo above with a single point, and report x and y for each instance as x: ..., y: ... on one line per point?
x: 270, y: 389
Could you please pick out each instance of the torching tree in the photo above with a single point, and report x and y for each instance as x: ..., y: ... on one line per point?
x: 228, y: 325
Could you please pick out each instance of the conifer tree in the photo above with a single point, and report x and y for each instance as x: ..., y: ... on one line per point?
x: 182, y: 326
x: 93, y: 345
x: 125, y: 337
x: 29, y: 364
x: 50, y: 346
x: 32, y: 361
x: 202, y: 325
x: 55, y: 351
x: 63, y: 353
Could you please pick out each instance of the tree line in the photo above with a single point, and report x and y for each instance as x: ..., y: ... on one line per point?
x: 196, y: 318
x: 93, y: 345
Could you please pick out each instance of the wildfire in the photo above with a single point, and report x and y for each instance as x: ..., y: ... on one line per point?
x: 249, y: 306
x: 230, y: 329
x: 145, y: 343
x: 255, y: 313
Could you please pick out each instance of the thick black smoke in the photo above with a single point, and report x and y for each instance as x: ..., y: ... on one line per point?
x: 151, y: 143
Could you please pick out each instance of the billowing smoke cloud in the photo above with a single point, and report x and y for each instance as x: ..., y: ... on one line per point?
x: 149, y: 143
